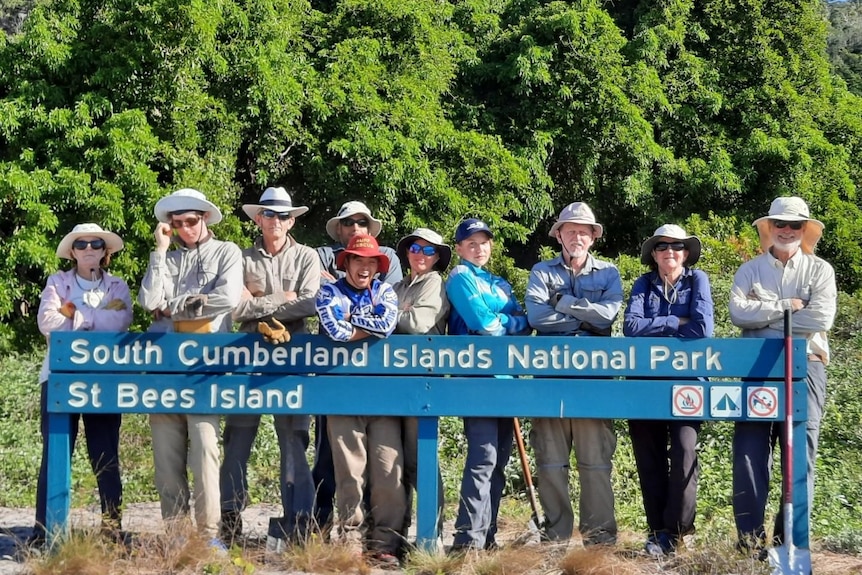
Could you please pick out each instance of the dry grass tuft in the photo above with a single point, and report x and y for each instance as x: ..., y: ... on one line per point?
x: 422, y: 562
x: 597, y: 561
x: 315, y: 555
x: 81, y: 553
x: 512, y: 561
x: 715, y: 560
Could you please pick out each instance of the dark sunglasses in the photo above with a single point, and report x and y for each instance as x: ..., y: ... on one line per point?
x: 675, y: 246
x: 781, y: 224
x: 96, y: 244
x: 424, y: 250
x: 188, y: 222
x: 269, y: 214
x: 349, y: 222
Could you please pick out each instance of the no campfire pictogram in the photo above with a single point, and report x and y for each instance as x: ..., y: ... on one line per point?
x: 763, y: 402
x: 687, y: 401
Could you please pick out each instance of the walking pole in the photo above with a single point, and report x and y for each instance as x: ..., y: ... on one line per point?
x: 535, y: 521
x: 788, y: 559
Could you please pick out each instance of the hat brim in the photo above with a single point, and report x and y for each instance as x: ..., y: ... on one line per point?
x: 598, y: 229
x: 444, y: 252
x: 251, y: 210
x: 692, y: 245
x: 113, y: 242
x: 811, y: 234
x: 374, y: 225
x: 174, y: 203
x: 382, y: 259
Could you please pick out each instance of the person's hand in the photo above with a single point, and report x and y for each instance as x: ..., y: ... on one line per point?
x: 162, y: 234
x: 796, y: 304
x: 290, y: 295
x: 683, y: 320
x: 67, y: 310
x: 327, y: 276
x: 275, y: 334
x: 246, y: 295
x: 194, y: 303
x: 116, y: 305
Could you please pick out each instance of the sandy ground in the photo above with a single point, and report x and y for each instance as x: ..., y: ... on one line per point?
x: 15, y: 525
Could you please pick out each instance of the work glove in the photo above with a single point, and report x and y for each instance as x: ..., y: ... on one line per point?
x: 275, y: 334
x: 195, y: 303
x: 604, y: 331
x: 116, y: 305
x: 67, y: 310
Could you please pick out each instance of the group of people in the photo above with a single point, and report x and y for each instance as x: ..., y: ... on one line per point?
x: 366, y: 465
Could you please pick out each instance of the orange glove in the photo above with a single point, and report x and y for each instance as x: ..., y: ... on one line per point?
x: 274, y: 335
x: 67, y: 309
x: 116, y: 305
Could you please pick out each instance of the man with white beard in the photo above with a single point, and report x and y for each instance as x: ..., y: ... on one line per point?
x: 786, y: 276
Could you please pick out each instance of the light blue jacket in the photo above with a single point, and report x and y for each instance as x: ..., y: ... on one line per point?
x: 482, y: 303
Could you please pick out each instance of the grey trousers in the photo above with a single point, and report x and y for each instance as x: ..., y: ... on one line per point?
x: 594, y: 443
x: 297, y: 487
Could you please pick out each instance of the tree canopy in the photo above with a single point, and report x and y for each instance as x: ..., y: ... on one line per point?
x: 429, y: 111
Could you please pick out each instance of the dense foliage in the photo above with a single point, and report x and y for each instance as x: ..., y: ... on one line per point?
x: 430, y: 111
x: 845, y: 42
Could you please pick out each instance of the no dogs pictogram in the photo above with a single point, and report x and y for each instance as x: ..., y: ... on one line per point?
x: 763, y: 402
x: 687, y: 401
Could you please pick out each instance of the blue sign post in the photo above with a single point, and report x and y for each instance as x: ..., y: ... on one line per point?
x: 422, y: 376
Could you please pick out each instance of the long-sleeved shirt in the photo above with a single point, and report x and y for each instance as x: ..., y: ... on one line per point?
x: 343, y: 309
x: 762, y: 290
x: 594, y: 296
x: 62, y: 287
x: 423, y: 304
x: 650, y: 314
x: 482, y: 303
x: 267, y: 276
x: 212, y: 268
x: 329, y: 254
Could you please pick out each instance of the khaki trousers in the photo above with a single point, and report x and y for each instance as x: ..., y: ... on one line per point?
x: 369, y: 447
x: 594, y: 443
x: 180, y: 440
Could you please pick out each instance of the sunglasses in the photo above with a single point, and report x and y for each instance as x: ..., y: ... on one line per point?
x: 781, y: 224
x: 675, y: 246
x: 269, y: 214
x: 349, y: 222
x: 96, y: 244
x: 424, y: 250
x: 188, y: 222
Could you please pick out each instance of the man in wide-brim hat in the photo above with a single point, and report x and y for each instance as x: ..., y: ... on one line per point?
x: 281, y: 278
x: 786, y: 276
x: 190, y: 289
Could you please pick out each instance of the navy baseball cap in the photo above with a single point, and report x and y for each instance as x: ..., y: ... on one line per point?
x: 469, y: 227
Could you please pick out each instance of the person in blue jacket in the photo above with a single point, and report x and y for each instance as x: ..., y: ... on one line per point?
x: 671, y: 300
x: 481, y: 304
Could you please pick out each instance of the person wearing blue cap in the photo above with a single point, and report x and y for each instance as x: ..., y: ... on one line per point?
x: 481, y: 304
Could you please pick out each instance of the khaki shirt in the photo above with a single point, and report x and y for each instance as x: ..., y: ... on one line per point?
x: 423, y: 306
x: 295, y: 268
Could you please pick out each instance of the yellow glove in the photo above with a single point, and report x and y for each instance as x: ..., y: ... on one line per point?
x: 274, y: 335
x: 116, y: 305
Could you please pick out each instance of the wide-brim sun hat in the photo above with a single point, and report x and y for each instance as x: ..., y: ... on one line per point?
x: 277, y: 200
x: 351, y: 209
x: 790, y: 209
x: 469, y: 227
x: 444, y: 252
x: 674, y: 233
x: 363, y: 245
x: 113, y: 242
x: 577, y: 213
x: 186, y: 200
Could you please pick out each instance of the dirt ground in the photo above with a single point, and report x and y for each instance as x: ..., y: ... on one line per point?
x: 15, y: 524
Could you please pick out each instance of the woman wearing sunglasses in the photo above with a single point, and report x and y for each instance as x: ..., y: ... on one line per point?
x: 670, y: 300
x: 85, y: 298
x: 423, y: 308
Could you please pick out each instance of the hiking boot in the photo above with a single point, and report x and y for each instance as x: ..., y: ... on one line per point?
x: 230, y: 528
x: 660, y: 544
x: 383, y: 560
